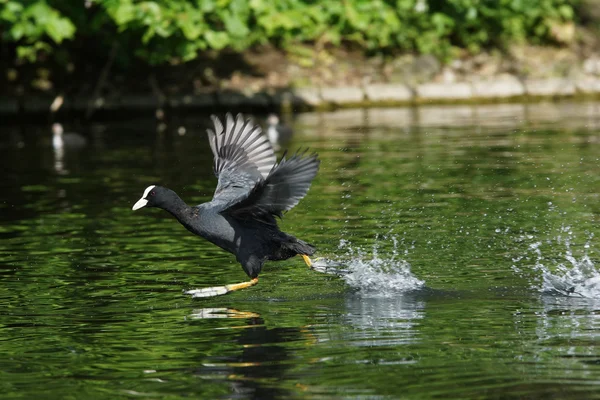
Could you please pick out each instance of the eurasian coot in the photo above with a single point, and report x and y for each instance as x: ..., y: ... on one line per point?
x: 277, y: 133
x: 62, y: 140
x: 252, y: 190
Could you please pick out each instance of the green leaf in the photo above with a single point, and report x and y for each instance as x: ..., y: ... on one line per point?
x: 148, y: 35
x: 189, y: 52
x: 566, y: 11
x: 191, y: 29
x: 357, y: 20
x: 17, y: 31
x: 11, y: 11
x: 123, y: 12
x: 259, y: 5
x: 206, y: 6
x: 216, y: 40
x: 28, y: 53
x: 59, y: 29
x: 234, y: 25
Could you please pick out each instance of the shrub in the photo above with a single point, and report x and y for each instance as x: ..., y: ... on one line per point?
x: 177, y: 30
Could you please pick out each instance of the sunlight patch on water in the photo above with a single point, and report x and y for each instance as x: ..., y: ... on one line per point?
x: 369, y: 272
x: 568, y: 274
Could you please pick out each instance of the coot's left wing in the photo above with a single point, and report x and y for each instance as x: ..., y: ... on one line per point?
x: 243, y: 157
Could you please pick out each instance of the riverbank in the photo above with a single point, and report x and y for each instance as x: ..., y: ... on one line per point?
x: 505, y: 89
x: 267, y: 79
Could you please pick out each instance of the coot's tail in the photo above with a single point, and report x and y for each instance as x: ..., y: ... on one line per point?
x: 290, y: 247
x: 303, y: 248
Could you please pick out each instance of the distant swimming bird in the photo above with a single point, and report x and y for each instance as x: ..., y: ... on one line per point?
x: 62, y: 140
x: 277, y: 133
x: 252, y: 190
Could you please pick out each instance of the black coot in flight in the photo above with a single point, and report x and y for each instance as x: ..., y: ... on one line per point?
x: 252, y: 190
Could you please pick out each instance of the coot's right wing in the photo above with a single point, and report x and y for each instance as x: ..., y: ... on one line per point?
x: 242, y: 157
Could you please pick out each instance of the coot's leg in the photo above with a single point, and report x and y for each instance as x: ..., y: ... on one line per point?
x: 207, y: 313
x: 306, y: 260
x: 220, y: 290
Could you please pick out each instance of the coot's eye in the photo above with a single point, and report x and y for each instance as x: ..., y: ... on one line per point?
x: 152, y: 193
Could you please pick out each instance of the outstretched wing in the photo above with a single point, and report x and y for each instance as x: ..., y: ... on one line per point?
x: 242, y: 157
x: 287, y: 183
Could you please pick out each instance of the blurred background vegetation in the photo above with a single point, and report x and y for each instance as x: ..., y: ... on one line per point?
x: 176, y: 31
x: 59, y: 46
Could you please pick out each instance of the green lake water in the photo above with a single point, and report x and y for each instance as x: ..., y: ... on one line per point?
x: 460, y: 261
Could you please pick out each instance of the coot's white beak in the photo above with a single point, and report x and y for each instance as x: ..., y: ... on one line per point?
x: 140, y: 203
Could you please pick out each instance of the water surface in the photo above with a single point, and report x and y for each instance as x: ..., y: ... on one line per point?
x: 460, y: 250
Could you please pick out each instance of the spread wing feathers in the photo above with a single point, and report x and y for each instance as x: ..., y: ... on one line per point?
x: 287, y: 183
x: 240, y: 147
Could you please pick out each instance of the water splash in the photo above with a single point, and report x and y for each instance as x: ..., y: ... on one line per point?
x: 369, y: 272
x: 578, y: 277
x: 566, y: 274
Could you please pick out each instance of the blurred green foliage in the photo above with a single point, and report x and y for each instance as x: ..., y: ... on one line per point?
x: 35, y: 26
x: 177, y: 30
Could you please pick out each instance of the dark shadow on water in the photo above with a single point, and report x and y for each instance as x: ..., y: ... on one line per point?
x: 262, y: 359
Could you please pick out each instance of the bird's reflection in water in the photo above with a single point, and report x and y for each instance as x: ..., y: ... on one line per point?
x: 59, y: 162
x: 261, y: 360
x: 210, y: 313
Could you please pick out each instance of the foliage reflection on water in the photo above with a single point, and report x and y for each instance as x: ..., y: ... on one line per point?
x: 442, y: 222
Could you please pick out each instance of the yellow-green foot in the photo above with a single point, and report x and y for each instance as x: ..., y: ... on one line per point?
x: 220, y: 290
x: 306, y: 260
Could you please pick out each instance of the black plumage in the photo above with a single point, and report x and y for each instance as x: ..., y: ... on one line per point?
x: 252, y: 190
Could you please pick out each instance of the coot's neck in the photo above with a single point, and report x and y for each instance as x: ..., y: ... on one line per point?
x: 179, y: 209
